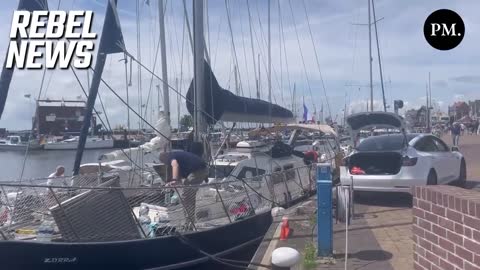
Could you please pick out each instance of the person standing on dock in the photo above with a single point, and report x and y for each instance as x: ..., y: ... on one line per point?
x: 193, y: 170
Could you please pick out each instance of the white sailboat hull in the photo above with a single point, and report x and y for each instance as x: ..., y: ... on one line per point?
x: 13, y: 147
x: 72, y: 145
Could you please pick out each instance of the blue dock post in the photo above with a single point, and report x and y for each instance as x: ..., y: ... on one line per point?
x: 324, y: 210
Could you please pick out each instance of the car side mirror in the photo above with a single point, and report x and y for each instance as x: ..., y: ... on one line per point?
x: 455, y: 149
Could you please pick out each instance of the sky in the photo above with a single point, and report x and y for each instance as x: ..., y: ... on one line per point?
x: 339, y: 45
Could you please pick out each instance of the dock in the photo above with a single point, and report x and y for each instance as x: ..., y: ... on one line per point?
x: 364, y: 246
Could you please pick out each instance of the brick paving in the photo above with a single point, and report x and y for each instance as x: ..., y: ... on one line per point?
x: 364, y: 252
x: 470, y: 148
x: 389, y: 217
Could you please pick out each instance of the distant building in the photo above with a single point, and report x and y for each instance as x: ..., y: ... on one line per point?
x: 59, y: 117
x: 474, y: 108
x: 458, y: 110
x: 416, y: 118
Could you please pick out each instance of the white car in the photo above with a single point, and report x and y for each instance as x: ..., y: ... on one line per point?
x: 397, y: 162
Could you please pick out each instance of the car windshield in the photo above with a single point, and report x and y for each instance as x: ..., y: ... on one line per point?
x: 391, y: 142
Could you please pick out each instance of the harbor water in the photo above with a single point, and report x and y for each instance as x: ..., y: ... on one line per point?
x: 41, y: 163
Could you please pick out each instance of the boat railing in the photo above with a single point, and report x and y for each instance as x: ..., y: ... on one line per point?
x: 93, y: 208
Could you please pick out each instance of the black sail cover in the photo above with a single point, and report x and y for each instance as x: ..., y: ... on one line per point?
x: 221, y: 104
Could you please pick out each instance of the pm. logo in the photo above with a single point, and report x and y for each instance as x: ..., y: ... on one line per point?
x: 444, y: 29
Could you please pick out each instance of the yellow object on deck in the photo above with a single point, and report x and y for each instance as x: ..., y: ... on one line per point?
x: 25, y: 231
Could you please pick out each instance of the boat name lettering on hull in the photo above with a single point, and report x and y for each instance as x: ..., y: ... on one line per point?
x: 60, y: 260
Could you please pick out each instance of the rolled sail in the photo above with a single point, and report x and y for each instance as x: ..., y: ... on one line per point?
x: 222, y: 104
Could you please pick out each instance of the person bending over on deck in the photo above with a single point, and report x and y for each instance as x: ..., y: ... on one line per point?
x: 193, y: 170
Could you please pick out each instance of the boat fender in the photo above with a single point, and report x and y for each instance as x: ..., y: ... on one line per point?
x: 285, y: 257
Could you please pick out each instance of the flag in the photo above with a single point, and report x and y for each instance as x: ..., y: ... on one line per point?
x: 305, y: 112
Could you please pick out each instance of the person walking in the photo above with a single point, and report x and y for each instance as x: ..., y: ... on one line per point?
x: 456, y: 131
x: 187, y: 169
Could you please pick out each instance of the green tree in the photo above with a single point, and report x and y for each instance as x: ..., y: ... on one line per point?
x: 186, y: 122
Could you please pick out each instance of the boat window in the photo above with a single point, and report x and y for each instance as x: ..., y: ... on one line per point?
x: 250, y: 172
x: 220, y: 171
x: 14, y: 140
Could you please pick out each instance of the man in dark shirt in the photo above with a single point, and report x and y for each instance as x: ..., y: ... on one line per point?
x: 193, y: 170
x: 456, y: 131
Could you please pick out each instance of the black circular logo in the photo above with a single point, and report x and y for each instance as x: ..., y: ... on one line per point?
x: 444, y: 29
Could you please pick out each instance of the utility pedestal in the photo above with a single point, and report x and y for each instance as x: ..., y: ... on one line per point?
x: 324, y: 210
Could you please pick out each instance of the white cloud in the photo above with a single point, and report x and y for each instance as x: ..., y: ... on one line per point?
x: 459, y: 97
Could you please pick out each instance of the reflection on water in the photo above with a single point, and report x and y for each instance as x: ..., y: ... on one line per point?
x: 41, y: 163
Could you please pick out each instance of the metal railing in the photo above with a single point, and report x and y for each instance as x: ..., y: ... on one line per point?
x: 97, y: 208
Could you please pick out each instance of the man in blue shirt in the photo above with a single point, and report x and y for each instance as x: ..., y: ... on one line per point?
x: 456, y: 131
x: 193, y: 170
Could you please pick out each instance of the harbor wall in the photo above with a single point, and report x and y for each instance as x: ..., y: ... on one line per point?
x: 446, y: 228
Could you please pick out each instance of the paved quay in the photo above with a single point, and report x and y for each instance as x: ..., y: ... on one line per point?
x: 380, y: 235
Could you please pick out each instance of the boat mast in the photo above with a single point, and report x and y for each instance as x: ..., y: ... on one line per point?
x: 294, y: 105
x: 111, y: 41
x: 166, y: 97
x: 237, y: 90
x: 92, y: 97
x: 259, y: 77
x: 269, y: 61
x: 370, y: 55
x: 429, y: 103
x: 179, y: 101
x: 344, y: 110
x: 200, y: 123
x: 379, y: 59
x: 158, y: 97
x: 426, y: 105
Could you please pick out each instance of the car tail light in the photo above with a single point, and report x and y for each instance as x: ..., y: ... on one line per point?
x: 356, y: 170
x: 408, y: 161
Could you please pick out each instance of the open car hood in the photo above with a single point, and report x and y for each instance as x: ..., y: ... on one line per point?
x: 364, y: 120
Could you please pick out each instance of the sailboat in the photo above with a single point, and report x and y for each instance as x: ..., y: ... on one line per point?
x: 91, y: 221
x: 72, y: 144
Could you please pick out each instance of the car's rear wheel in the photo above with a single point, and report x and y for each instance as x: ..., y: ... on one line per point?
x: 462, y: 177
x: 432, y: 177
